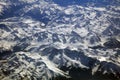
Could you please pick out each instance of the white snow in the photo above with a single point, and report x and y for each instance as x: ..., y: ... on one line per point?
x: 5, y: 45
x: 84, y: 22
x: 69, y: 11
x: 102, y: 59
x: 100, y: 8
x: 52, y: 66
x: 82, y: 31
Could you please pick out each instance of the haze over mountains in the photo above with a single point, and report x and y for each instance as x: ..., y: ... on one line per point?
x: 42, y: 39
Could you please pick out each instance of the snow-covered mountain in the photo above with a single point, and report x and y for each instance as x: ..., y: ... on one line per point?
x: 43, y: 39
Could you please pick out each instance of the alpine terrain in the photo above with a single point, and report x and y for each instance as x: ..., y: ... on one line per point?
x: 59, y: 39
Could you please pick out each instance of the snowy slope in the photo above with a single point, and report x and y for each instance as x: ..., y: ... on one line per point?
x: 41, y: 36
